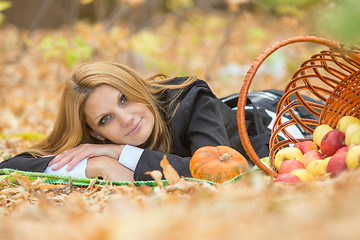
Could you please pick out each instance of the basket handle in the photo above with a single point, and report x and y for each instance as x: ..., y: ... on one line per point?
x: 246, y: 85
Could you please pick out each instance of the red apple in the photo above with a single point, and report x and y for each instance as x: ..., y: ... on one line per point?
x: 310, y: 156
x: 331, y: 142
x: 320, y: 132
x: 287, y: 177
x: 306, y: 146
x: 343, y: 149
x: 337, y: 163
x: 288, y: 165
x: 287, y: 153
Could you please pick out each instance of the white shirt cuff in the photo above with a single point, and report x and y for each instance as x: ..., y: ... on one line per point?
x: 77, y: 171
x: 130, y: 156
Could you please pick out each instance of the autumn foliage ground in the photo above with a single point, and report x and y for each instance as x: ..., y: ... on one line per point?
x: 32, y: 72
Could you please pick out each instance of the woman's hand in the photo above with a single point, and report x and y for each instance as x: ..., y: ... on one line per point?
x: 108, y: 168
x: 75, y: 155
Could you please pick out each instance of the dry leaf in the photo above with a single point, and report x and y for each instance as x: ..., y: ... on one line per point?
x: 68, y: 187
x: 170, y: 173
x: 38, y: 183
x: 146, y: 190
x: 8, y: 191
x: 182, y: 185
x: 91, y: 184
x: 157, y: 176
x: 6, y: 181
x: 22, y: 180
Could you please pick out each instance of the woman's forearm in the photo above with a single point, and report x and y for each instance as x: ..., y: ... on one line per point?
x: 108, y: 168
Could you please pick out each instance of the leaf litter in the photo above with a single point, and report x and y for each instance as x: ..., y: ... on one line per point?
x: 183, y: 209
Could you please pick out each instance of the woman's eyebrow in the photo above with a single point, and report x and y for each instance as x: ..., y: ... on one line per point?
x: 102, y: 114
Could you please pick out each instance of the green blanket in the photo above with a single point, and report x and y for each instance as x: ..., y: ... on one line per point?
x: 57, y: 179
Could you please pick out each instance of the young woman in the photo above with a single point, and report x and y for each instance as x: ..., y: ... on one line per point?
x: 116, y: 124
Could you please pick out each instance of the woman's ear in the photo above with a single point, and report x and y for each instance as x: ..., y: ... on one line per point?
x: 97, y: 136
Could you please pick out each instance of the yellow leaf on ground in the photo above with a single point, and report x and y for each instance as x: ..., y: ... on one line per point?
x: 157, y: 176
x: 22, y: 180
x: 38, y: 183
x: 170, y: 173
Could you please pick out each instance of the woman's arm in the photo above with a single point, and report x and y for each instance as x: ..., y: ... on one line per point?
x: 103, y: 166
x: 108, y: 168
x: 74, y: 155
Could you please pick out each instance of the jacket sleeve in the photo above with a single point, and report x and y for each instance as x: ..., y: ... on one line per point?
x: 199, y: 121
x: 27, y: 162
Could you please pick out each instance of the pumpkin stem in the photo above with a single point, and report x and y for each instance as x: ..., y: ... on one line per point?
x: 224, y: 157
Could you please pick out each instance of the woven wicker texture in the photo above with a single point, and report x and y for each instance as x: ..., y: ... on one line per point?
x: 331, y: 77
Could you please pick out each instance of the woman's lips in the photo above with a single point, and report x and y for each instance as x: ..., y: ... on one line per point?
x: 135, y: 129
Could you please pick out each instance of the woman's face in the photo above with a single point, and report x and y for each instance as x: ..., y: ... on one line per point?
x: 112, y: 116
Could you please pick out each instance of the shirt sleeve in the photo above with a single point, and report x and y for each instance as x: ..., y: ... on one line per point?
x: 78, y: 171
x: 130, y: 156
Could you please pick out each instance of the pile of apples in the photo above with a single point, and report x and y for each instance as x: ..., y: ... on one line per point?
x: 330, y: 152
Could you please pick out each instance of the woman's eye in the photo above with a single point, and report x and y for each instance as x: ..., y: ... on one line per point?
x: 123, y: 99
x: 104, y: 120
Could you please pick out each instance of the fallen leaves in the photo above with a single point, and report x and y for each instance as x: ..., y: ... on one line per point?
x: 176, y: 185
x: 183, y: 209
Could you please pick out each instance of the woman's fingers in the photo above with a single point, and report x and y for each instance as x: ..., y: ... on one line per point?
x: 75, y: 155
x: 53, y: 161
x: 64, y: 158
x: 61, y: 163
x: 75, y: 159
x: 56, y: 159
x: 73, y: 162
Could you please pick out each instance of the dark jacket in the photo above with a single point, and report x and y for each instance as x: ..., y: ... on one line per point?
x: 201, y: 119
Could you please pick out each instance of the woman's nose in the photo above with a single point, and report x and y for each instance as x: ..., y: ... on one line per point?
x: 125, y: 118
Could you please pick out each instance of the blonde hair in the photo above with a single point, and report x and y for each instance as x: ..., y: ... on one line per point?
x: 70, y: 128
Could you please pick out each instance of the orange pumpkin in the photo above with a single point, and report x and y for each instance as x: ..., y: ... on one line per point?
x: 217, y: 164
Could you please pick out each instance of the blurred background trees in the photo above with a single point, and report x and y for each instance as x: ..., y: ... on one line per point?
x: 330, y: 16
x: 146, y: 29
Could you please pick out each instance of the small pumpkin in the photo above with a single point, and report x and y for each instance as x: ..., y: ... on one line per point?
x: 217, y: 164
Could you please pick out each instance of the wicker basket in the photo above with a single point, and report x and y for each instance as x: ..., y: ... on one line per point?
x: 331, y: 76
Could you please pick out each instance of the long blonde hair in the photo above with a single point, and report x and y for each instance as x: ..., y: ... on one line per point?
x: 70, y: 128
